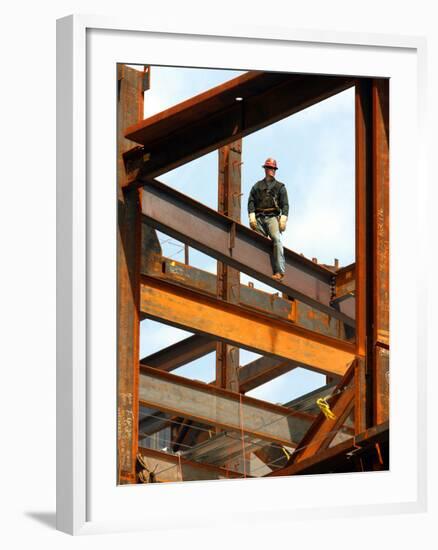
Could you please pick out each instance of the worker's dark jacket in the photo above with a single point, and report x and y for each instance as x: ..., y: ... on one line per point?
x: 268, y: 197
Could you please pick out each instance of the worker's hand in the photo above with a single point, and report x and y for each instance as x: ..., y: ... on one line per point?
x: 252, y: 221
x: 282, y: 223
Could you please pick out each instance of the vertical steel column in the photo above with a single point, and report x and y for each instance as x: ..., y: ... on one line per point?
x: 363, y: 245
x: 372, y: 253
x: 380, y: 335
x: 129, y: 111
x: 228, y: 279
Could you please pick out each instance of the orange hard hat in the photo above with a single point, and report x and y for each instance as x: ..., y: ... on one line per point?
x: 270, y: 163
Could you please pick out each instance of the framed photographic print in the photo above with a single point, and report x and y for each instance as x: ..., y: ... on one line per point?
x: 232, y: 259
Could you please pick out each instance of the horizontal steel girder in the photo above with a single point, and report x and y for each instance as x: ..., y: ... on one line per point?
x: 251, y: 376
x: 195, y: 312
x: 265, y: 302
x: 307, y: 403
x: 218, y: 407
x: 213, y: 119
x: 181, y: 353
x: 262, y: 370
x: 236, y: 245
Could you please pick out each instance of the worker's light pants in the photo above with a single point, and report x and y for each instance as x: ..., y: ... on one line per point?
x: 268, y: 226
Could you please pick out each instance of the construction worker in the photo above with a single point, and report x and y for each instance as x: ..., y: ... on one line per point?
x: 268, y: 209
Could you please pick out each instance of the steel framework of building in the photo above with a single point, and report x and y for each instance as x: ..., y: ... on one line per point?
x: 334, y: 321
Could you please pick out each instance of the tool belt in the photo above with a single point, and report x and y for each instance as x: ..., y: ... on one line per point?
x: 273, y: 211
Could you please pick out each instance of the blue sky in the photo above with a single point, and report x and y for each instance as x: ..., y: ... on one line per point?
x: 314, y: 150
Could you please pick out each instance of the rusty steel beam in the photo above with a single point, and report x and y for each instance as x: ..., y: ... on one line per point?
x: 372, y: 252
x: 263, y: 370
x: 251, y: 376
x: 345, y: 290
x: 380, y: 371
x: 306, y: 403
x: 236, y: 245
x: 151, y: 251
x: 129, y: 110
x: 360, y: 395
x: 324, y: 429
x: 219, y: 407
x: 380, y: 239
x: 274, y: 456
x: 206, y: 104
x: 213, y: 119
x: 181, y: 353
x: 308, y: 317
x: 168, y: 467
x: 345, y: 281
x: 267, y: 303
x: 204, y: 281
x: 228, y: 278
x: 344, y: 457
x: 196, y: 312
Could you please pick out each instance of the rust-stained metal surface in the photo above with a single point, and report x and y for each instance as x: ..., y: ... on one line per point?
x: 372, y: 252
x: 251, y: 375
x: 355, y: 454
x: 263, y: 370
x: 345, y: 280
x: 345, y: 290
x: 318, y: 321
x: 381, y: 384
x: 360, y: 395
x: 213, y: 119
x: 181, y: 353
x: 228, y: 278
x: 236, y: 245
x: 151, y: 252
x: 380, y: 335
x: 130, y: 109
x: 204, y: 281
x: 265, y: 302
x: 212, y: 405
x: 188, y: 310
x: 324, y: 429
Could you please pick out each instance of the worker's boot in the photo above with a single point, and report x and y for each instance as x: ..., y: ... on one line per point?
x: 278, y: 276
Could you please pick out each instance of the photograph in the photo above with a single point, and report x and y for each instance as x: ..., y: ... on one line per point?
x: 252, y: 274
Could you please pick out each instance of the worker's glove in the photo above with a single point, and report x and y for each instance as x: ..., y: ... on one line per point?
x: 252, y: 221
x: 282, y: 223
